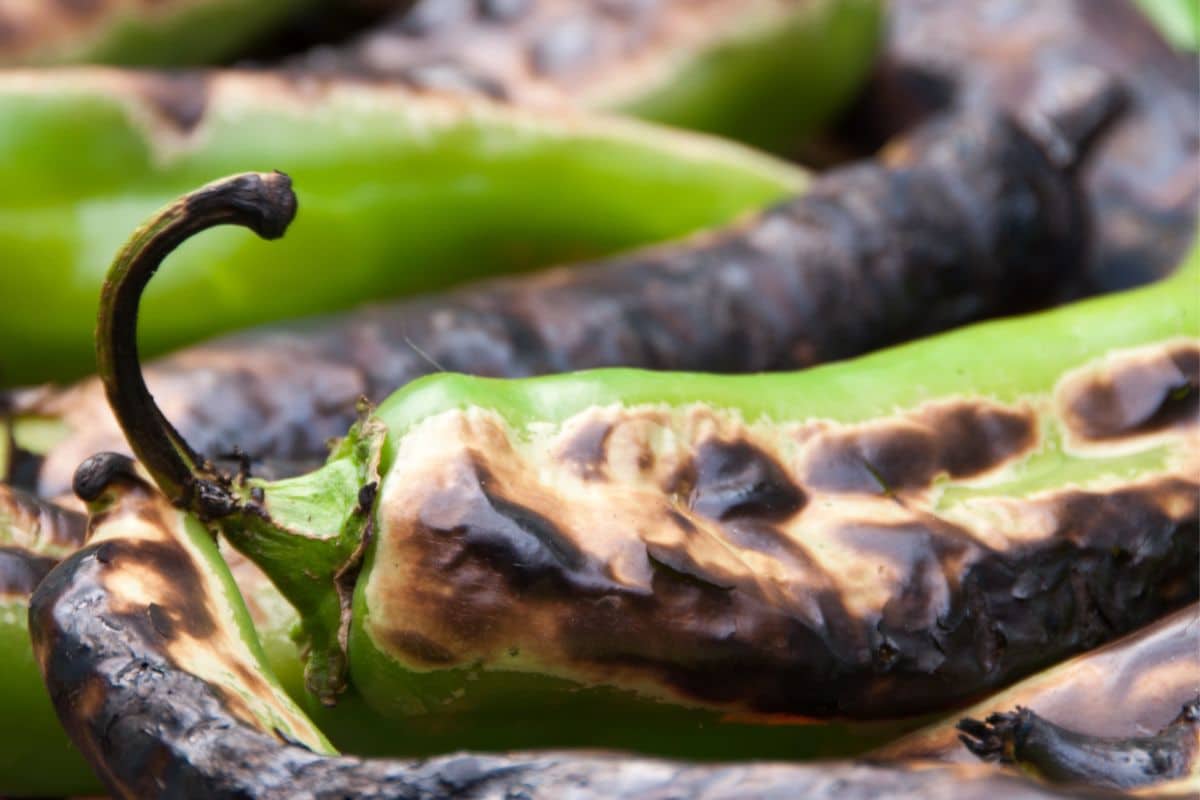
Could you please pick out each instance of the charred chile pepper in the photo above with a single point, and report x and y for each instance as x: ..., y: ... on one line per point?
x: 158, y: 679
x: 1130, y: 687
x: 1143, y: 182
x: 766, y: 72
x: 408, y: 192
x: 1169, y: 759
x: 881, y: 537
x: 36, y: 757
x: 969, y: 218
x: 164, y: 32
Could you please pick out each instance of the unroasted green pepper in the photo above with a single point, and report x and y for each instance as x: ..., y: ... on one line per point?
x: 882, y: 537
x: 407, y: 192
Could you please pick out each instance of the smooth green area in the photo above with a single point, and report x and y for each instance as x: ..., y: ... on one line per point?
x: 1179, y: 20
x: 774, y: 82
x: 234, y: 606
x: 397, y: 194
x: 169, y: 34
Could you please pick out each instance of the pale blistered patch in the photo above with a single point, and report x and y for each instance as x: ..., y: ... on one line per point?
x: 159, y: 581
x: 688, y: 554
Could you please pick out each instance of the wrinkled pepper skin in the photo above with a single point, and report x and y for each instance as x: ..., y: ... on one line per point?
x: 765, y: 72
x: 135, y: 32
x: 1128, y: 688
x: 1168, y: 759
x: 969, y: 219
x: 1142, y: 183
x: 408, y: 192
x: 36, y: 758
x: 886, y: 536
x: 159, y: 681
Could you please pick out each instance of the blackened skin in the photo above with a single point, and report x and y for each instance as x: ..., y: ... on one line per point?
x: 1142, y: 180
x: 152, y: 729
x: 976, y: 221
x: 1064, y: 756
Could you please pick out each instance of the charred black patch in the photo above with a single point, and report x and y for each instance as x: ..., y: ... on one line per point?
x: 81, y: 8
x: 420, y: 649
x: 736, y: 479
x: 182, y: 610
x: 1062, y: 755
x: 473, y: 524
x: 958, y: 440
x: 586, y: 451
x: 1137, y: 395
x: 873, y: 461
x: 179, y: 99
x: 21, y: 571
x: 975, y: 438
x: 51, y: 524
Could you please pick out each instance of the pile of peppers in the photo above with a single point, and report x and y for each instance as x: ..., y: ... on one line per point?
x: 744, y: 498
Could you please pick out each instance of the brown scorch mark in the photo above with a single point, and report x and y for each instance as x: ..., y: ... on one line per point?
x: 1134, y: 394
x: 701, y: 559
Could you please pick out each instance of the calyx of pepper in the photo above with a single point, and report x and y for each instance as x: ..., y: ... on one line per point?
x: 308, y: 534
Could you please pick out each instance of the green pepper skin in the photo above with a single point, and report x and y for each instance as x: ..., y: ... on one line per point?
x: 875, y: 538
x: 135, y: 32
x: 407, y: 192
x: 766, y: 72
x: 159, y: 680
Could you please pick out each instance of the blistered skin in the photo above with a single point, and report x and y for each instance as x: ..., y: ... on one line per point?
x: 541, y: 51
x: 1063, y: 755
x: 975, y: 222
x: 1142, y: 183
x: 127, y: 688
x: 813, y: 568
x: 1130, y: 688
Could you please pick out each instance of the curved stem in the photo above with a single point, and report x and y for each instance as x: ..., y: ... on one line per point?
x: 263, y: 202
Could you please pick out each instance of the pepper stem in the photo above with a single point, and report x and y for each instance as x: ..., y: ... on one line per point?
x: 262, y: 202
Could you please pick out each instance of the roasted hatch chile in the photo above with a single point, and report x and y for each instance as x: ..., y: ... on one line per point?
x: 406, y: 192
x: 969, y: 218
x: 763, y: 71
x: 1061, y: 755
x: 36, y: 758
x: 162, y: 32
x: 1128, y: 688
x: 1143, y: 181
x: 159, y: 681
x: 881, y: 537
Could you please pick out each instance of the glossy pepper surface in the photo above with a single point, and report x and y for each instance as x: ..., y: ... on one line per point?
x: 409, y: 192
x: 1022, y: 509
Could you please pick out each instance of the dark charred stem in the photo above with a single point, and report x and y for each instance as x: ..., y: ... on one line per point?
x: 262, y: 202
x: 1024, y: 738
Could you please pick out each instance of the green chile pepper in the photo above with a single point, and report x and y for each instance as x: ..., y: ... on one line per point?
x: 970, y: 218
x: 766, y: 72
x: 882, y: 537
x: 159, y: 680
x: 164, y: 33
x: 456, y: 188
